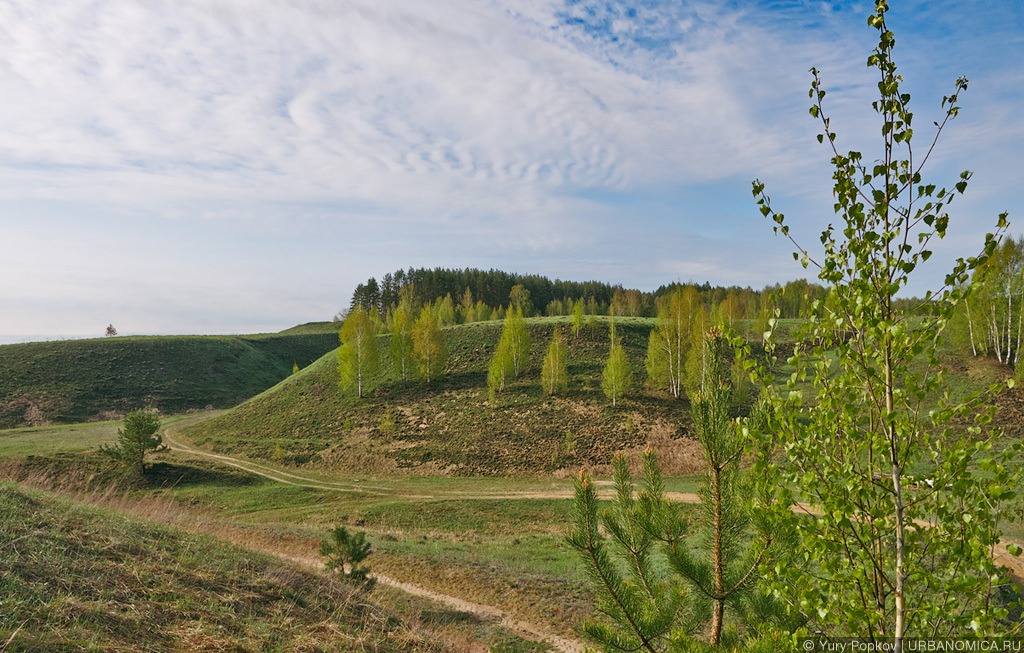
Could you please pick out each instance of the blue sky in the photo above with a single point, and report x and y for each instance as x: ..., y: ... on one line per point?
x: 216, y: 166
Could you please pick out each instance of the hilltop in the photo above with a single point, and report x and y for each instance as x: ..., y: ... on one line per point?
x: 80, y: 380
x: 452, y: 427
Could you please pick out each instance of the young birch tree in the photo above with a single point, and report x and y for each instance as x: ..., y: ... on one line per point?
x: 428, y: 345
x: 670, y: 341
x: 517, y: 339
x: 358, y: 357
x: 401, y: 339
x: 617, y: 376
x: 577, y: 318
x: 555, y: 371
x: 890, y: 559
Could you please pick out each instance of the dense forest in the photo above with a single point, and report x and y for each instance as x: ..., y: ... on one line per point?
x: 476, y: 295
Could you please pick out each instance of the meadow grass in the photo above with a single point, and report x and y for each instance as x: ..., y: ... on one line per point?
x: 76, y: 577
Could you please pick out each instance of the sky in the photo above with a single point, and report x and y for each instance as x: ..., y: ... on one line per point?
x: 238, y: 166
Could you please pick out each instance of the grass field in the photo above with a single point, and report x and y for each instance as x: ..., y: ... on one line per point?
x: 79, y: 578
x: 452, y: 427
x: 457, y: 494
x: 78, y: 380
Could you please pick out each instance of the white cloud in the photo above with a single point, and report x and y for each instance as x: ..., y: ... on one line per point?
x: 441, y: 133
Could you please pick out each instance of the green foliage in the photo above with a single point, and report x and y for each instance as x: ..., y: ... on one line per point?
x: 577, y: 318
x: 401, y: 339
x: 388, y: 424
x: 555, y: 371
x: 516, y: 340
x: 990, y: 321
x: 308, y: 415
x: 295, y: 368
x: 890, y: 558
x: 724, y: 569
x: 72, y: 381
x: 444, y: 310
x: 519, y: 299
x: 644, y: 612
x: 617, y: 377
x: 665, y: 553
x: 74, y: 577
x: 344, y: 552
x: 139, y: 435
x: 359, y: 356
x: 500, y: 369
x: 428, y: 346
x: 670, y: 341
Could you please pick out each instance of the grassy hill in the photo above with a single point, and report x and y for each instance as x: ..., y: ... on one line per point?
x: 451, y: 427
x: 73, y: 577
x: 78, y: 380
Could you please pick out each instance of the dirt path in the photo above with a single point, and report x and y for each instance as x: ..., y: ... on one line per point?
x: 1002, y: 557
x: 522, y: 628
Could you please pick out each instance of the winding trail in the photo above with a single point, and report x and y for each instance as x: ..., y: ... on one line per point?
x: 520, y: 627
x: 524, y: 629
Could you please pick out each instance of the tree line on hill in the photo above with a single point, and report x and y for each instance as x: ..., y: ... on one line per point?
x: 418, y: 349
x: 473, y: 295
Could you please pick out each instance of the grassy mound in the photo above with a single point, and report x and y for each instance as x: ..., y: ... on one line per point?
x: 78, y: 578
x: 451, y: 427
x: 79, y: 380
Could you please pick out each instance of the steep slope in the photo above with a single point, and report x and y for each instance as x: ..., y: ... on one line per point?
x: 77, y: 380
x: 75, y: 577
x: 451, y: 427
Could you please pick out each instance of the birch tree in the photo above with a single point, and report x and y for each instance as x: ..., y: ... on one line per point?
x: 517, y: 339
x: 555, y: 371
x: 617, y: 376
x: 428, y: 345
x: 890, y: 559
x: 670, y: 341
x: 401, y: 340
x: 358, y: 357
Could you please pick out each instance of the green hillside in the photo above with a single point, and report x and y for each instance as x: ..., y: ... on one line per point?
x: 77, y: 578
x: 78, y: 380
x: 451, y: 427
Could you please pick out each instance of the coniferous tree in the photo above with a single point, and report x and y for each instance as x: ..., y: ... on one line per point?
x: 555, y: 371
x: 358, y: 357
x: 723, y: 570
x: 428, y: 345
x: 139, y: 435
x: 653, y: 606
